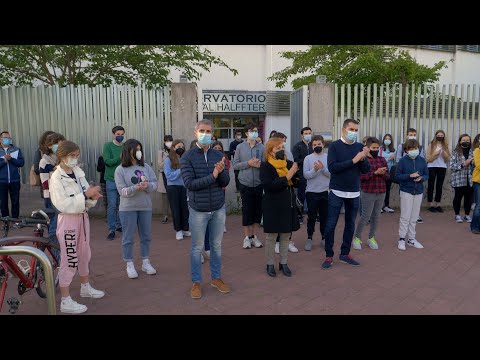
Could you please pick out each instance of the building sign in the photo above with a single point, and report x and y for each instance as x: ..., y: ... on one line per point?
x: 236, y: 102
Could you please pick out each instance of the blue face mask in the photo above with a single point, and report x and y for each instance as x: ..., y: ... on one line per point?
x: 253, y: 135
x: 413, y: 153
x: 307, y: 138
x: 204, y: 139
x: 387, y: 142
x: 54, y: 148
x: 351, y: 136
x: 119, y: 138
x: 6, y: 141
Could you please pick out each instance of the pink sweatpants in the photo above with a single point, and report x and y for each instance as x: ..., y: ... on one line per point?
x: 73, y: 233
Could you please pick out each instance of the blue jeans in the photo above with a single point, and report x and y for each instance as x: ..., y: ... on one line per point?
x: 130, y: 220
x: 351, y: 209
x: 475, y: 224
x: 199, y: 221
x: 113, y: 198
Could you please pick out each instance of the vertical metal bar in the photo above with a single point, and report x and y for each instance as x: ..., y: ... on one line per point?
x: 380, y: 111
x: 444, y: 122
x: 437, y: 104
x: 468, y: 126
x: 399, y: 118
x: 405, y: 118
x: 355, y: 102
x: 374, y: 118
x: 449, y: 115
x: 369, y: 119
x: 419, y: 95
x: 349, y: 101
x: 335, y: 113
x: 362, y: 99
x: 387, y: 108
x: 474, y: 105
x: 342, y: 105
x: 461, y: 116
x: 455, y: 113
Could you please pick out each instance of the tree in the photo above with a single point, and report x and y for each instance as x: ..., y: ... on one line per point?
x: 355, y: 64
x: 102, y: 64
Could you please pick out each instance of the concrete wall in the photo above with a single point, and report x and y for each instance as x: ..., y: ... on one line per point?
x: 321, y: 103
x: 184, y: 111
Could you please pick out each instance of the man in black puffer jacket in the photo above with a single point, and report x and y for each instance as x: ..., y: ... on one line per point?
x: 204, y: 177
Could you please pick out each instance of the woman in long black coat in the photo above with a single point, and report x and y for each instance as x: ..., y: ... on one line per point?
x: 280, y: 216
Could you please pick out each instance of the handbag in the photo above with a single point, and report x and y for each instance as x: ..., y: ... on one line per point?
x: 34, y: 178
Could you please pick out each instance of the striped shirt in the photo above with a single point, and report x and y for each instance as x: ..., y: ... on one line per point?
x: 46, y: 167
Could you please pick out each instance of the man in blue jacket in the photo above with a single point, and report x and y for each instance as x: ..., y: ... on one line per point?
x: 204, y: 175
x: 346, y: 160
x: 11, y: 160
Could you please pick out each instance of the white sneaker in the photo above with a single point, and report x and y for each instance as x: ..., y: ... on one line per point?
x: 131, y: 272
x: 207, y: 254
x: 372, y: 242
x: 148, y: 268
x: 467, y: 218
x: 458, y: 219
x: 257, y: 243
x: 401, y: 245
x: 277, y: 248
x: 414, y: 243
x: 291, y: 247
x: 70, y: 306
x: 179, y: 235
x: 203, y: 259
x: 247, y: 244
x: 88, y: 291
x: 187, y: 233
x: 388, y: 209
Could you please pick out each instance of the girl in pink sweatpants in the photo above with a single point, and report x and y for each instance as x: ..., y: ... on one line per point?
x: 72, y: 197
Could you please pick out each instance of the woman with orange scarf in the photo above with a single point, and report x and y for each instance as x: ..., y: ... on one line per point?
x: 280, y: 217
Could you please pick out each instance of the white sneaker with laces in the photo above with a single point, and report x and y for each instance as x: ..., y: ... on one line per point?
x: 467, y: 218
x: 148, y: 268
x: 277, y: 248
x: 415, y: 243
x: 257, y: 243
x: 88, y: 291
x: 291, y: 247
x: 70, y: 306
x: 401, y: 245
x: 187, y: 233
x: 388, y: 209
x: 131, y: 272
x: 458, y: 219
x: 247, y: 244
x: 179, y: 235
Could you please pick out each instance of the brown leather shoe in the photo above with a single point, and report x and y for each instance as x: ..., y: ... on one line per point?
x: 220, y: 285
x: 196, y: 291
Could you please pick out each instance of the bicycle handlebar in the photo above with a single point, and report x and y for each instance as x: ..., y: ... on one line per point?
x: 24, y: 221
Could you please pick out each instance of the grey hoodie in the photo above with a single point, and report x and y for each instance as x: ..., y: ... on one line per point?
x: 248, y: 176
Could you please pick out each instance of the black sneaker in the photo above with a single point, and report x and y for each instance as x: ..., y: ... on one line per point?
x: 111, y: 235
x: 420, y: 220
x: 165, y: 220
x: 439, y: 209
x: 119, y: 229
x: 433, y: 209
x: 347, y: 259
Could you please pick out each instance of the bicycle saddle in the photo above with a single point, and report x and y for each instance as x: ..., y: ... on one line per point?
x: 45, y: 214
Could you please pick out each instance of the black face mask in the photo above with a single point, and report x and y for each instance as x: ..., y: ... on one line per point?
x: 440, y: 138
x: 374, y: 153
x: 465, y: 144
x: 318, y: 149
x: 180, y: 151
x: 280, y: 155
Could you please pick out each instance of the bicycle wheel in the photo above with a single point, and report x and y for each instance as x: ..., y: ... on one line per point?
x: 40, y: 284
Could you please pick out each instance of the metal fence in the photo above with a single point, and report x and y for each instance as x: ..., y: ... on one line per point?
x: 381, y: 110
x: 86, y: 116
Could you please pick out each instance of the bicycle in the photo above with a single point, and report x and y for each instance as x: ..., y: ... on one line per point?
x: 30, y: 275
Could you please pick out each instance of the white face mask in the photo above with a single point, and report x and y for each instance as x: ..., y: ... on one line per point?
x: 138, y: 155
x: 168, y: 144
x: 71, y: 163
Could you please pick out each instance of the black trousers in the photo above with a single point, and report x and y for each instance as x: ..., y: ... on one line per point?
x: 251, y: 204
x: 302, y: 186
x: 317, y: 204
x: 237, y: 182
x: 177, y: 197
x: 14, y: 190
x: 438, y: 174
x: 388, y: 184
x: 465, y: 192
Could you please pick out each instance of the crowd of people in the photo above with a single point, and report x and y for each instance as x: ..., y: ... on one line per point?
x: 277, y: 188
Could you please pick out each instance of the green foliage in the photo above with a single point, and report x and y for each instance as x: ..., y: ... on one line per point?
x: 102, y: 64
x: 355, y: 64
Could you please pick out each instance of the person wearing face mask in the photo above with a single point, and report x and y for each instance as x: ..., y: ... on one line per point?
x: 38, y: 156
x: 72, y: 196
x: 162, y: 180
x: 461, y: 169
x: 412, y: 171
x: 136, y: 181
x: 373, y: 185
x: 438, y: 155
x: 400, y: 153
x: 205, y: 176
x: 11, y: 160
x: 299, y: 151
x: 233, y: 147
x: 177, y: 194
x: 387, y: 150
x: 280, y: 216
x: 346, y: 160
x: 316, y: 172
x: 248, y: 157
x: 47, y: 167
x: 111, y: 156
